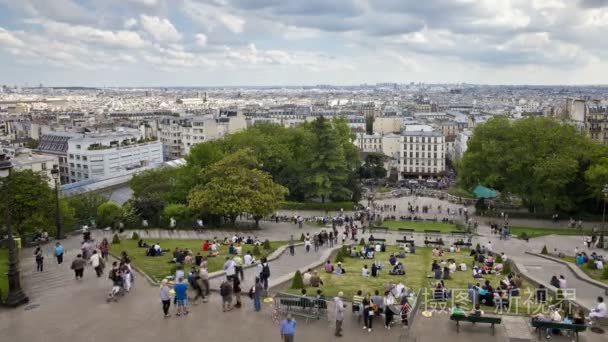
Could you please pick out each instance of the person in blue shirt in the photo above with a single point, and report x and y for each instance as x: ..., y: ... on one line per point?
x: 181, y: 297
x: 288, y: 329
x: 59, y: 253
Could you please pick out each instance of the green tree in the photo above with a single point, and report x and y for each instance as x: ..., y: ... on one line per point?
x: 181, y: 213
x: 85, y: 206
x: 129, y: 216
x: 31, y: 202
x: 298, y: 281
x: 109, y: 214
x: 373, y: 166
x: 149, y: 208
x: 369, y: 124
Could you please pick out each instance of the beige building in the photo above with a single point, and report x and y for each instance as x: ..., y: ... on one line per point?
x: 385, y: 125
x: 25, y: 159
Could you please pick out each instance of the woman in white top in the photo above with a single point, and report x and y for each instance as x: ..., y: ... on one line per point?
x: 388, y: 302
x: 365, y: 271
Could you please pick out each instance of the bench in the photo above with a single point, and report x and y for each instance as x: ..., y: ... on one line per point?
x: 306, y: 307
x: 540, y: 325
x: 462, y: 243
x: 434, y: 242
x: 377, y: 239
x: 475, y: 319
x: 405, y: 241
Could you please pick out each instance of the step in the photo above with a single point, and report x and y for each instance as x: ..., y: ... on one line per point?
x: 517, y: 328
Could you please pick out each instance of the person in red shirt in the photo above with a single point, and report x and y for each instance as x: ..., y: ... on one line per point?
x: 206, y: 246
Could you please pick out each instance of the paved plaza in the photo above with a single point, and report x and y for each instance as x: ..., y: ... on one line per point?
x: 62, y: 308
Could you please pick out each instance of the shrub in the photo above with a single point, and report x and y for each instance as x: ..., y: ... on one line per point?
x: 506, y: 267
x: 362, y: 242
x: 498, y: 259
x: 109, y: 214
x: 298, y: 282
x: 266, y: 244
x: 478, y: 246
x: 115, y: 239
x: 605, y: 274
x: 523, y: 236
x: 544, y: 251
x: 342, y: 253
x: 135, y: 236
x: 256, y: 251
x: 302, y: 237
x: 591, y: 264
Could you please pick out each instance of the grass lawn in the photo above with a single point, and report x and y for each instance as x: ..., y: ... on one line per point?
x: 3, y: 270
x: 536, y: 232
x: 417, y: 267
x: 159, y: 267
x: 593, y: 274
x: 420, y: 226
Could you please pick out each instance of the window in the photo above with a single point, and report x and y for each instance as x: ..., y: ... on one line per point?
x: 416, y: 154
x: 85, y: 166
x: 71, y: 164
x: 71, y: 156
x: 77, y: 157
x: 78, y: 147
x: 78, y: 165
x: 84, y: 158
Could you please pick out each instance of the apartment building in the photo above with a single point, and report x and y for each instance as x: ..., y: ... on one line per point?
x: 423, y: 154
x: 26, y: 159
x: 56, y: 144
x: 100, y: 156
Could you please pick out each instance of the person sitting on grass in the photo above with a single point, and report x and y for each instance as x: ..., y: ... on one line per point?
x: 437, y: 273
x: 435, y: 266
x: 452, y: 266
x: 397, y: 269
x: 477, y: 273
x: 315, y: 280
x: 364, y: 271
x: 329, y: 268
x: 392, y: 260
x: 600, y: 311
x: 374, y: 270
x: 369, y: 254
x: 457, y: 310
x: 339, y: 269
x: 306, y: 277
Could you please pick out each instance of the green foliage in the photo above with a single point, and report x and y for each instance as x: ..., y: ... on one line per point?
x: 135, y: 236
x: 506, y: 267
x: 31, y: 202
x: 498, y: 259
x: 266, y: 245
x: 235, y: 186
x: 85, y: 206
x: 544, y: 251
x: 181, y: 213
x: 327, y: 206
x: 591, y: 264
x: 109, y: 214
x: 550, y: 165
x: 129, y: 217
x: 524, y: 236
x: 256, y: 251
x: 68, y: 214
x: 302, y: 237
x: 478, y: 246
x: 373, y: 167
x: 298, y: 281
x: 115, y: 239
x: 149, y: 208
x: 362, y: 242
x: 605, y: 273
x: 341, y: 255
x: 369, y: 124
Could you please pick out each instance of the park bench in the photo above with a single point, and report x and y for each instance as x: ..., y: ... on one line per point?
x: 404, y: 240
x: 462, y: 243
x: 377, y: 239
x: 306, y: 307
x: 434, y: 242
x: 475, y: 319
x: 541, y: 326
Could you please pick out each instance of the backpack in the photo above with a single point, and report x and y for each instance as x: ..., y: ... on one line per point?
x: 265, y: 271
x: 251, y: 292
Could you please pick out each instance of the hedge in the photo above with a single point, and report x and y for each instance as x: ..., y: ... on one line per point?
x: 328, y: 206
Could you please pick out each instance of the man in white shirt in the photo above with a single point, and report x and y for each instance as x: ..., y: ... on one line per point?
x: 96, y: 263
x: 306, y: 278
x: 600, y: 310
x: 489, y: 247
x: 599, y: 264
x: 229, y: 268
x: 248, y: 259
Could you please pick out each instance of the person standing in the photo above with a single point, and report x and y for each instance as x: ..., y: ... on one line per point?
x: 257, y: 294
x: 181, y: 297
x: 78, y: 266
x: 339, y: 313
x: 97, y: 263
x: 203, y: 274
x: 165, y: 297
x: 562, y: 282
x: 59, y: 250
x: 288, y: 328
x: 236, y: 289
x: 238, y: 265
x: 292, y: 248
x: 104, y: 248
x: 229, y: 268
x: 39, y: 259
x: 226, y: 293
x: 265, y: 273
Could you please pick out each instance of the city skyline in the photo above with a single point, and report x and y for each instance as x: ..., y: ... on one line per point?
x: 183, y: 43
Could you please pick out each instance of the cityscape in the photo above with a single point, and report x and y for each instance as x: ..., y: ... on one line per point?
x: 288, y: 170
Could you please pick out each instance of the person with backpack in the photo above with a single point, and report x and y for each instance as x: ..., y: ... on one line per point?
x: 236, y: 289
x: 39, y: 259
x: 226, y: 293
x: 255, y: 293
x: 265, y: 273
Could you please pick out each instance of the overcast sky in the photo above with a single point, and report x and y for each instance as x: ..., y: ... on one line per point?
x: 294, y: 42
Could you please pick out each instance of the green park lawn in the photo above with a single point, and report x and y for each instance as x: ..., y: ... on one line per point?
x: 417, y: 267
x: 420, y: 226
x: 592, y: 273
x: 536, y: 232
x: 160, y: 267
x: 3, y: 270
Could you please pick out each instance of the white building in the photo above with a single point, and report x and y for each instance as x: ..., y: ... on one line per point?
x: 106, y: 155
x: 461, y: 144
x: 25, y: 159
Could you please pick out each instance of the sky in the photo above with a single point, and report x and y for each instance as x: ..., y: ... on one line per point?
x: 302, y: 42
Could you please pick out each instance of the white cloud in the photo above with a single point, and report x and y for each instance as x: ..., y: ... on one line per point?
x: 212, y: 17
x: 7, y: 39
x: 201, y: 39
x: 130, y: 23
x: 160, y: 28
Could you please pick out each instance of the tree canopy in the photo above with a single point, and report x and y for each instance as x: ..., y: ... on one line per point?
x: 549, y: 164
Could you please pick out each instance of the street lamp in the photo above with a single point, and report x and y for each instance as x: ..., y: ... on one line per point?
x: 55, y: 174
x: 603, y: 233
x: 16, y: 296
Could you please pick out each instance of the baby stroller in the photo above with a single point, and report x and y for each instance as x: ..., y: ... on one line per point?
x: 399, y: 313
x: 118, y: 289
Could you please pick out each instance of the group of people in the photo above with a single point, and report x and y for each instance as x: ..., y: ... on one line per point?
x: 393, y: 303
x: 582, y: 259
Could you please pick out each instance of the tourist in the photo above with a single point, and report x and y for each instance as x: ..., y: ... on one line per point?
x: 358, y: 302
x: 307, y: 242
x: 476, y: 311
x: 229, y: 268
x: 238, y: 267
x: 378, y: 301
x: 181, y: 297
x: 329, y: 268
x: 248, y: 259
x: 315, y: 280
x: 599, y: 263
x: 364, y: 271
x: 306, y: 277
x: 489, y: 247
x: 554, y: 282
x: 288, y: 328
x: 368, y: 312
x: 562, y: 282
x: 374, y: 272
x: 203, y: 276
x: 457, y: 310
x: 97, y: 263
x: 78, y: 266
x: 388, y: 301
x: 104, y: 248
x: 600, y: 310
x: 265, y: 273
x: 165, y: 296
x: 236, y: 289
x: 226, y: 293
x: 339, y: 269
x: 339, y: 313
x: 292, y: 249
x: 59, y: 250
x: 257, y: 295
x: 127, y: 277
x: 39, y: 258
x: 198, y: 259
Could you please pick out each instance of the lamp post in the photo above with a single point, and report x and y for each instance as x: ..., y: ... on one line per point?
x: 55, y: 174
x: 16, y: 296
x: 603, y: 233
